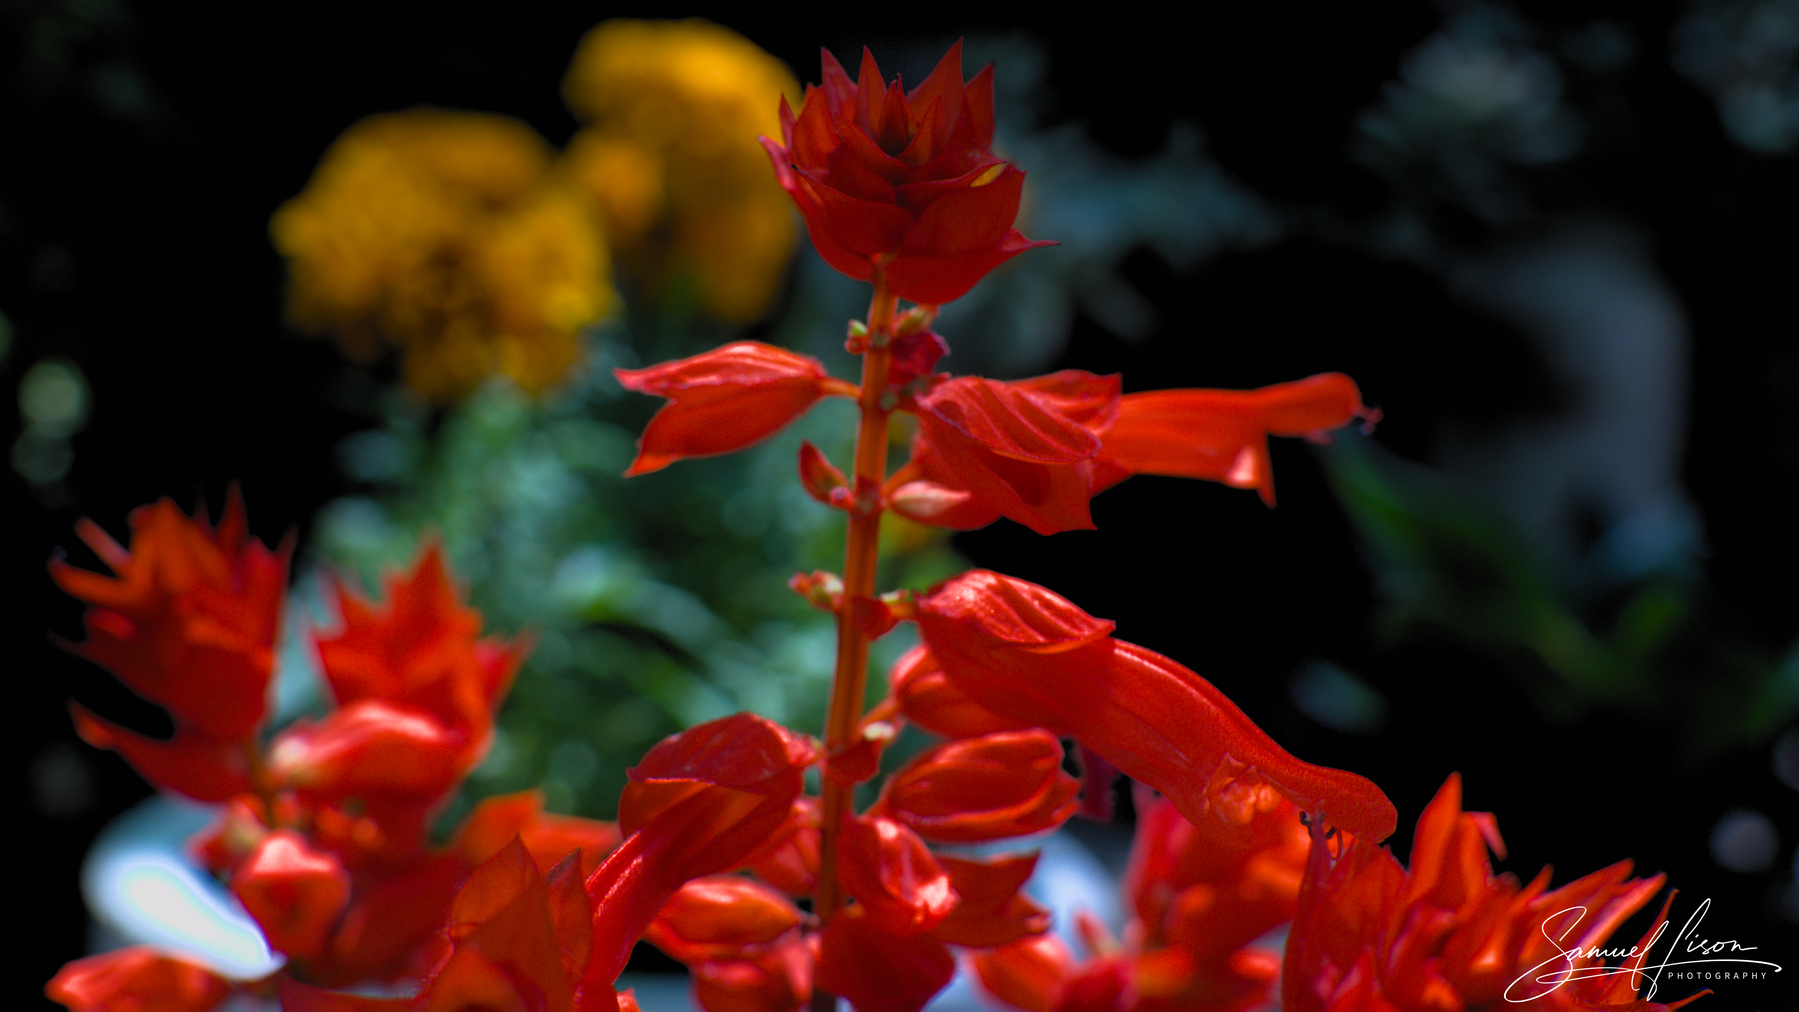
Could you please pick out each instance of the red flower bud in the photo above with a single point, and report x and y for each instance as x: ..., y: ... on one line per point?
x: 724, y: 400
x: 820, y: 478
x: 904, y: 182
x: 295, y: 892
x: 139, y: 979
x: 1027, y: 653
x: 721, y: 917
x: 190, y: 620
x: 893, y: 875
x: 1005, y: 784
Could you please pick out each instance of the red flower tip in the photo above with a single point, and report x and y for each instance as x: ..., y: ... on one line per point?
x: 991, y: 611
x: 295, y: 892
x: 191, y: 618
x: 904, y: 183
x: 140, y: 979
x: 724, y: 400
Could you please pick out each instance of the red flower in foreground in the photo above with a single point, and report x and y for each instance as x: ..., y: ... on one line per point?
x: 904, y: 182
x: 1448, y: 933
x: 724, y: 400
x: 1024, y: 652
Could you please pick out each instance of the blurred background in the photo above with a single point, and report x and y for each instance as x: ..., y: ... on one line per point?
x: 1548, y: 240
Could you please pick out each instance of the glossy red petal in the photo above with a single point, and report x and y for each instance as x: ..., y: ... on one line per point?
x: 992, y: 909
x: 1001, y: 640
x: 138, y: 979
x: 721, y: 917
x: 371, y: 749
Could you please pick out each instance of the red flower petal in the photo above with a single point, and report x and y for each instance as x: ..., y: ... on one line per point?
x: 1005, y: 784
x: 893, y: 876
x: 992, y: 909
x: 877, y: 971
x: 295, y: 892
x: 140, y: 979
x: 202, y: 768
x: 723, y: 400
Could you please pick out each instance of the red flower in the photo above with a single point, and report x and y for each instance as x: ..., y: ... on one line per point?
x: 294, y: 891
x: 904, y: 182
x: 190, y: 620
x: 138, y: 979
x: 724, y: 400
x: 1027, y: 653
x: 1448, y: 933
x: 421, y: 650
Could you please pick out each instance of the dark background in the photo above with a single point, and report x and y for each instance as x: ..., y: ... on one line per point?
x: 146, y: 145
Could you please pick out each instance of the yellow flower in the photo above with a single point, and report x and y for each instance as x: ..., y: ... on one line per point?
x: 670, y: 158
x: 445, y: 235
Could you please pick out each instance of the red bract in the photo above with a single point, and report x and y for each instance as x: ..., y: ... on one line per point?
x: 190, y: 620
x: 422, y: 650
x: 724, y: 400
x: 1025, y: 652
x: 1005, y: 784
x: 1448, y: 933
x: 906, y: 183
x: 138, y: 979
x: 1222, y: 435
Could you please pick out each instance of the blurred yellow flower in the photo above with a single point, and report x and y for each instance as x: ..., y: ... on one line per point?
x: 445, y: 235
x: 669, y: 157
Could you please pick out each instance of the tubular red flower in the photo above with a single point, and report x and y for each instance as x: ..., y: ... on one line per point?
x: 1025, y: 652
x: 139, y: 978
x: 907, y: 183
x: 724, y: 400
x: 1009, y: 783
x: 190, y: 620
x: 295, y: 893
x: 1222, y: 435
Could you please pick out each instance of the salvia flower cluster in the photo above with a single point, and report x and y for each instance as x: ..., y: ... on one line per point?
x: 775, y: 896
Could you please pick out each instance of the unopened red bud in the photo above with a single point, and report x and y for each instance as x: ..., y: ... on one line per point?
x: 295, y: 893
x: 872, y: 616
x: 372, y: 748
x: 821, y: 590
x: 820, y: 478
